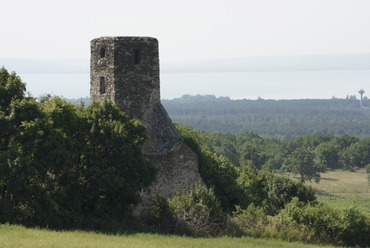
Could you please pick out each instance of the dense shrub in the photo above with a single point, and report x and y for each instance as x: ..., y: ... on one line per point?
x: 160, y: 217
x: 198, y: 211
x: 269, y: 191
x: 281, y: 191
x: 251, y: 218
x: 325, y: 224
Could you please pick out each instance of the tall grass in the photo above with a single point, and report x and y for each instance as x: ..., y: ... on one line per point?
x: 17, y: 236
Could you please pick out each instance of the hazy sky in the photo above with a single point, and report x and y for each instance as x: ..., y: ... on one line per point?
x: 187, y: 30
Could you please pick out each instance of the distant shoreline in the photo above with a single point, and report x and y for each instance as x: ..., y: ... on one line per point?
x: 247, y: 64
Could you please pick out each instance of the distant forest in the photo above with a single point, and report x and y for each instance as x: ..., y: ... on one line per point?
x: 285, y: 119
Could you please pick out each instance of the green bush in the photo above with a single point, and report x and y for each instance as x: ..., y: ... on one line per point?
x: 160, y: 218
x: 281, y: 191
x: 198, y: 211
x: 269, y: 191
x: 322, y: 223
x: 251, y: 217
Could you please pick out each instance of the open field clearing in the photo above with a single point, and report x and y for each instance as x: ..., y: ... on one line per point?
x: 343, y: 189
x: 342, y: 183
x: 16, y: 236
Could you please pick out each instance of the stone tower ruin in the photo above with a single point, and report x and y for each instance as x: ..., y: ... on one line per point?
x: 125, y: 70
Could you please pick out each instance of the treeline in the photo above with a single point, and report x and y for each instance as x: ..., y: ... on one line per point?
x: 285, y: 119
x: 328, y: 151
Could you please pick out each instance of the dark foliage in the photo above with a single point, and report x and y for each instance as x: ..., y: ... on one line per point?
x: 269, y: 191
x: 323, y: 223
x: 217, y: 171
x: 64, y: 166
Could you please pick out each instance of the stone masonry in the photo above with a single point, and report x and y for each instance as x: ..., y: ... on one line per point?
x: 125, y: 70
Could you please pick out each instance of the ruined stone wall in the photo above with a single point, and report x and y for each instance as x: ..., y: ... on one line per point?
x: 125, y: 70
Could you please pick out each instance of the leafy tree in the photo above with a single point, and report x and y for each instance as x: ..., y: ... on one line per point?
x: 273, y: 163
x: 345, y: 141
x: 247, y: 148
x: 301, y: 162
x: 64, y: 166
x: 36, y: 163
x: 327, y: 155
x: 114, y: 168
x: 357, y: 154
x: 11, y: 87
x: 254, y: 184
x: 251, y: 154
x: 228, y: 150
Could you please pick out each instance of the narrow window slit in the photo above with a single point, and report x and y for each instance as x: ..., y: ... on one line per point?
x: 102, y: 52
x: 137, y: 57
x: 102, y: 85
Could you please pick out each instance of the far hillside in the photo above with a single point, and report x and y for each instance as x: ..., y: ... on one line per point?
x: 286, y: 119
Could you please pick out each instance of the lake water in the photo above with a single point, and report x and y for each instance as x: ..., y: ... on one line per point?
x: 236, y: 85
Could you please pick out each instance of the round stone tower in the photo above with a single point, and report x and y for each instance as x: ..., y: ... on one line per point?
x: 125, y: 70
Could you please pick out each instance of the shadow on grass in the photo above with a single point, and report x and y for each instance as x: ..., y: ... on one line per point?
x: 328, y: 179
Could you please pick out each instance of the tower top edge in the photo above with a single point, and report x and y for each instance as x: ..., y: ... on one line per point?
x: 126, y: 38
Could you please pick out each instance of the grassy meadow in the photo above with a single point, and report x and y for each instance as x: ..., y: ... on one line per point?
x: 12, y: 236
x: 342, y: 183
x: 343, y: 189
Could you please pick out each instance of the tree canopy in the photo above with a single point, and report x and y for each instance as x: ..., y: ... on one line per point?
x: 65, y: 166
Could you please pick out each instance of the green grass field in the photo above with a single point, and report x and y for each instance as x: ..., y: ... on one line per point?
x: 343, y: 189
x: 16, y: 236
x: 342, y: 183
